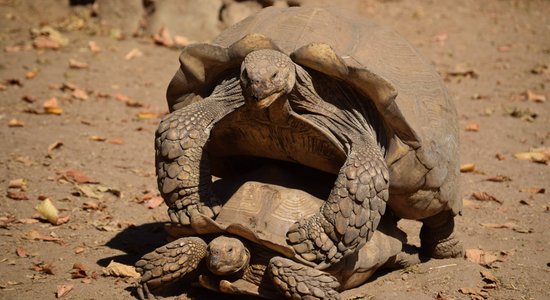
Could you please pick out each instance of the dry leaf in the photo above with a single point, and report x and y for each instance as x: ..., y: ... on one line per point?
x: 114, y: 191
x: 18, y: 183
x: 526, y: 202
x: 75, y: 176
x: 51, y: 106
x: 120, y: 270
x: 15, y: 123
x: 134, y: 103
x: 28, y: 99
x: 88, y: 191
x: 52, y: 147
x: 484, y: 196
x: 48, y: 211
x: 461, y: 71
x: 115, y: 141
x: 472, y: 126
x: 121, y: 97
x: 79, y: 94
x: 46, y: 268
x: 43, y: 42
x: 466, y: 168
x: 31, y: 74
x: 499, y: 178
x: 94, y: 47
x: 500, y: 156
x: 504, y: 48
x: 97, y: 138
x: 68, y: 86
x: 35, y: 235
x: 532, y: 190
x: 79, y: 271
x: 133, y: 54
x: 17, y: 195
x: 154, y: 202
x: 475, y: 293
x: 440, y: 38
x: 52, y: 35
x: 539, y: 155
x: 489, y: 277
x: 63, y: 220
x: 21, y: 252
x: 144, y: 115
x: 75, y: 64
x: 63, y: 289
x: 480, y: 257
x: 163, y: 38
x: 90, y: 205
x: 532, y: 96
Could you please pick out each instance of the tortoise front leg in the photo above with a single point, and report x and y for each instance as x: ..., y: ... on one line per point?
x: 352, y: 212
x: 168, y: 263
x: 297, y: 281
x: 183, y: 169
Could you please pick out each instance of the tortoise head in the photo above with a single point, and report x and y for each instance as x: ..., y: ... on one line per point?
x: 226, y: 256
x: 266, y: 75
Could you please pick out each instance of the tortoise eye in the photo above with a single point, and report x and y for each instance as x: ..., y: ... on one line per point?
x: 274, y: 75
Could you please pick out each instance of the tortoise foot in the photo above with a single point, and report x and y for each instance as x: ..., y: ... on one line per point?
x: 184, y: 214
x: 168, y: 263
x: 297, y: 281
x: 438, y: 239
x: 311, y: 243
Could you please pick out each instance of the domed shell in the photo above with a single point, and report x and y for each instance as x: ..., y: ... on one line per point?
x: 262, y: 213
x: 419, y: 116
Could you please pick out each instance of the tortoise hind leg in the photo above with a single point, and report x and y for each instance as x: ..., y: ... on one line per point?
x: 438, y: 238
x: 298, y: 281
x: 169, y: 263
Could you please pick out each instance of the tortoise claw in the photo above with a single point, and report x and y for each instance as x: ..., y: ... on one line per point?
x: 311, y: 243
x: 184, y: 216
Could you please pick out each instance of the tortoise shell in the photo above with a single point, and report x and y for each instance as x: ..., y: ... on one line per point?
x: 419, y: 118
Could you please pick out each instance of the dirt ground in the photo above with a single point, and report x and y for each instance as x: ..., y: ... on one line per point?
x: 90, y: 151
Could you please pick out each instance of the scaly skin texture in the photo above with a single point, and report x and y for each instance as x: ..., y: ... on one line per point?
x: 352, y: 212
x: 349, y: 217
x: 168, y: 263
x: 438, y: 238
x: 297, y: 281
x: 183, y: 169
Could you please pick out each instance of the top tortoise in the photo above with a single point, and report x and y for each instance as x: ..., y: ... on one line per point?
x: 329, y: 90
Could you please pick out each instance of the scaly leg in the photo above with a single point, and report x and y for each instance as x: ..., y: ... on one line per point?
x: 352, y: 212
x: 183, y: 169
x: 297, y: 281
x: 168, y: 263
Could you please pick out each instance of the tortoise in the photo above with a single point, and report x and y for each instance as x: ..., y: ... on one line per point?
x: 328, y: 90
x: 244, y: 251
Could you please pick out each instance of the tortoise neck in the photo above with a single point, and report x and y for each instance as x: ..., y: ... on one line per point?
x: 279, y: 111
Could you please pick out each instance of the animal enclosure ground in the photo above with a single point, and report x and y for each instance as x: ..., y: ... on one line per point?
x: 77, y: 126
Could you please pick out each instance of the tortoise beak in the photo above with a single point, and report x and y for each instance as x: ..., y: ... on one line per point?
x: 267, y: 101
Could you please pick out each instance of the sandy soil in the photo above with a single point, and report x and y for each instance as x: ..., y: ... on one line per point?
x: 94, y: 158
